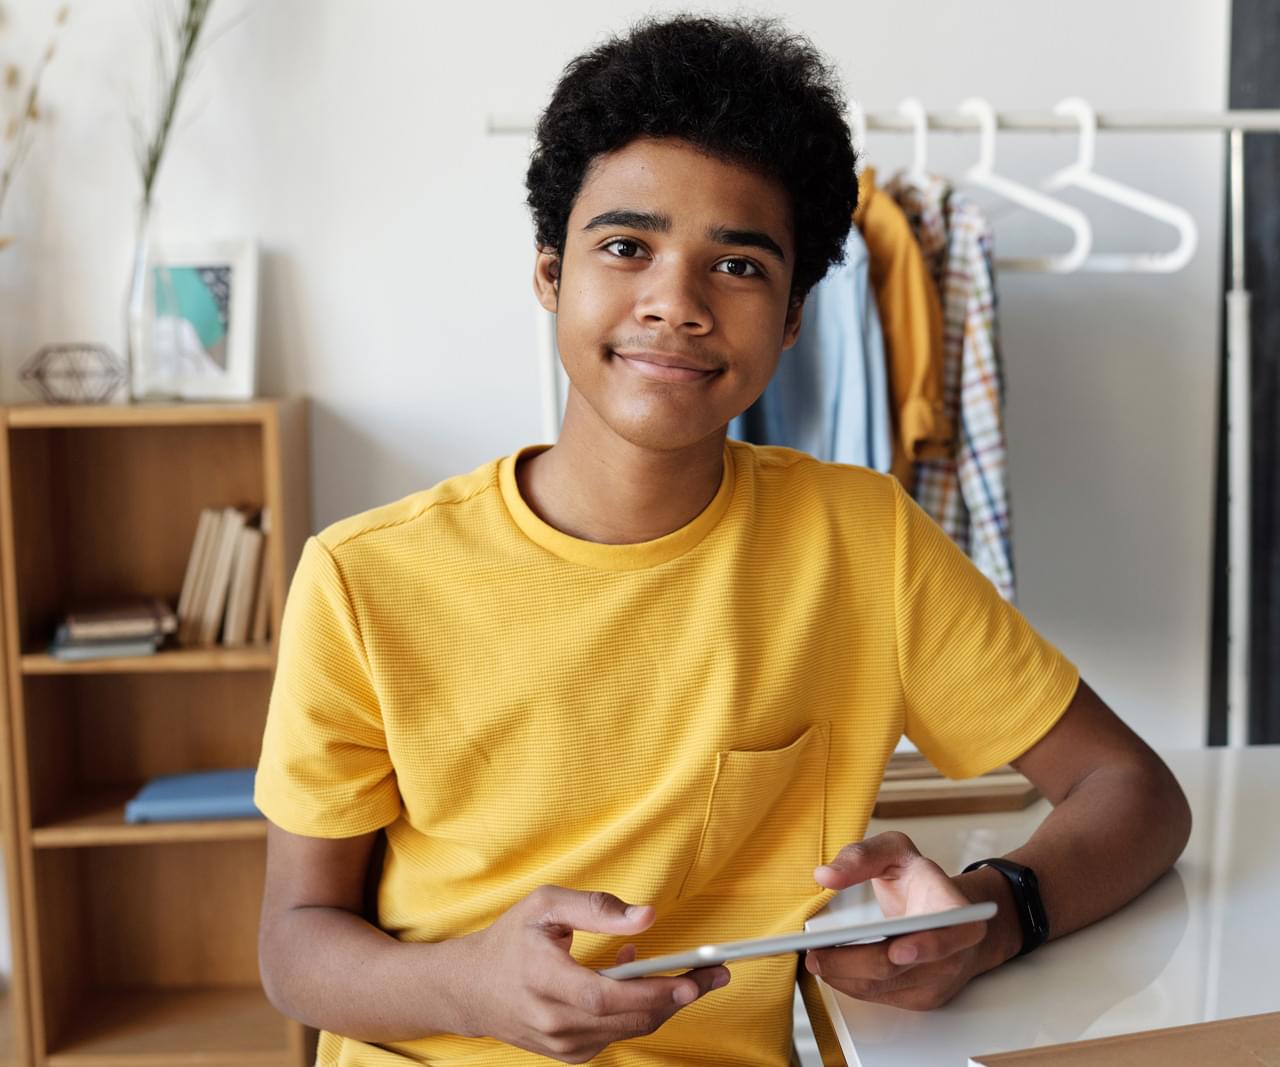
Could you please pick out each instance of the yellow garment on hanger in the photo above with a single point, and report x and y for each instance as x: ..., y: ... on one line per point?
x: 911, y: 320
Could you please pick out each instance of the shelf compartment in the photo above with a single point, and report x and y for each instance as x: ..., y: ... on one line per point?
x: 96, y: 819
x: 150, y: 955
x: 104, y: 513
x: 178, y: 660
x: 93, y: 739
x: 234, y: 1027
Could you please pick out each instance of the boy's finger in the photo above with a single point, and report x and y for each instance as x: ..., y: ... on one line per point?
x: 888, y: 959
x: 557, y: 910
x: 869, y: 962
x: 870, y: 858
x: 930, y: 945
x: 645, y: 995
x: 647, y: 1020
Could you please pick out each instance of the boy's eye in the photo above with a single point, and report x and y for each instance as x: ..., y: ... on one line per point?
x: 627, y: 248
x: 739, y: 268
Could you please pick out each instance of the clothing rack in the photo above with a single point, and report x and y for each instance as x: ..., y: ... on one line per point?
x: 1233, y: 123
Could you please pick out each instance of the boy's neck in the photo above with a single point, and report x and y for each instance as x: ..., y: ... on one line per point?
x: 597, y: 486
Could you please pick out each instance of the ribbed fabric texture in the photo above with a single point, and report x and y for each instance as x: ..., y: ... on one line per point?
x: 694, y: 722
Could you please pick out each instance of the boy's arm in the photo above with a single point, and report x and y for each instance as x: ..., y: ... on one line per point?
x: 324, y: 964
x: 515, y: 981
x: 1119, y: 821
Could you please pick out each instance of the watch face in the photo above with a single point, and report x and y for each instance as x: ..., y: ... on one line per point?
x: 1030, y: 886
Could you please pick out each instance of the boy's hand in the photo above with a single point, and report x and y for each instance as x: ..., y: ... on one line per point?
x: 521, y: 986
x: 917, y: 971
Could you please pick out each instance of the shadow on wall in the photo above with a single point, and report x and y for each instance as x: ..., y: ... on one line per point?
x: 351, y: 469
x: 357, y: 457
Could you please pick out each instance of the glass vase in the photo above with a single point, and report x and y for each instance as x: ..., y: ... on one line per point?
x: 140, y: 311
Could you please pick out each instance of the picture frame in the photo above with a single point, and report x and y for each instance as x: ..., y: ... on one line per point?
x: 199, y: 330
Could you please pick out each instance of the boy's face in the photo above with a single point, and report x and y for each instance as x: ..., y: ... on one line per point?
x: 673, y: 298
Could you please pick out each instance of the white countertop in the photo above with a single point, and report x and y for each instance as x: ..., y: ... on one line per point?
x: 1202, y: 943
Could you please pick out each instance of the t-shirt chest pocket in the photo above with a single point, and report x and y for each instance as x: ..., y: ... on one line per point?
x: 763, y: 833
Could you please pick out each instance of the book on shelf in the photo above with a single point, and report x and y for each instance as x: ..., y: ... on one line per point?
x: 148, y: 617
x: 193, y: 796
x: 222, y: 586
x: 66, y: 647
x: 194, y: 573
x: 258, y: 631
x: 243, y: 585
x: 214, y: 608
x: 200, y: 568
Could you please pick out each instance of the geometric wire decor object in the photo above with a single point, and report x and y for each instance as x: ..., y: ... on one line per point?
x: 76, y: 373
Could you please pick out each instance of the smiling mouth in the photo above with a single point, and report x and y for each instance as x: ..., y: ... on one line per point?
x: 664, y: 371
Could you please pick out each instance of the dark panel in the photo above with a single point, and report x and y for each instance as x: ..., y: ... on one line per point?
x: 1255, y: 83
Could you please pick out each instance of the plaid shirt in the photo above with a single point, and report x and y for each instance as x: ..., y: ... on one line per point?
x: 966, y: 493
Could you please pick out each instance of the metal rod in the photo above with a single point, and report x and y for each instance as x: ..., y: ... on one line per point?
x: 1248, y: 121
x: 1239, y: 357
x: 1237, y: 209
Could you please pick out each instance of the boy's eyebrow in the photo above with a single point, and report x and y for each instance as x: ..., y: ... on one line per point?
x: 633, y: 220
x: 655, y: 222
x: 750, y: 238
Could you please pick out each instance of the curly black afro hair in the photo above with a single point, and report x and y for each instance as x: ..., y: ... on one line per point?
x: 744, y: 90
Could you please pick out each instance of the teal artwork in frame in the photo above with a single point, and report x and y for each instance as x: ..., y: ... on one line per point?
x: 201, y: 324
x: 192, y: 316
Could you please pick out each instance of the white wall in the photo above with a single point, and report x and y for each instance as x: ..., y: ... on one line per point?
x: 349, y: 139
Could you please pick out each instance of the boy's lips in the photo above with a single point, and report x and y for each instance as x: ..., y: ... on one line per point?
x: 665, y: 366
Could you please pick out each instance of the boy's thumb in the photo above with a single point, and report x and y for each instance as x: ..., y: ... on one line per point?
x: 558, y: 908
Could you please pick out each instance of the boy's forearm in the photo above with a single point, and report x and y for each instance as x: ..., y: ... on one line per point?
x: 333, y: 970
x: 1102, y: 845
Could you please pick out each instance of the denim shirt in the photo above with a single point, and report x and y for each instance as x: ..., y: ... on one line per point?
x: 830, y: 395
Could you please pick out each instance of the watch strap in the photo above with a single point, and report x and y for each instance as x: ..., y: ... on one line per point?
x: 1026, y: 899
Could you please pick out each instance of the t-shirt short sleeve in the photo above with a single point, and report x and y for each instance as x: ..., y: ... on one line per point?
x: 981, y: 687
x: 324, y: 769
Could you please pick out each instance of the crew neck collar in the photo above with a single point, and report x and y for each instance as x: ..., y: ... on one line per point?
x: 611, y: 557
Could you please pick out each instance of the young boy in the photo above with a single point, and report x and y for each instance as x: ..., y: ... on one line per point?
x: 636, y: 691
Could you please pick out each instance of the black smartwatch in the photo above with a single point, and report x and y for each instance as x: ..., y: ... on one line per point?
x: 1026, y: 899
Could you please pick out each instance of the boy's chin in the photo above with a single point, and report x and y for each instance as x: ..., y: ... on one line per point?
x: 664, y: 434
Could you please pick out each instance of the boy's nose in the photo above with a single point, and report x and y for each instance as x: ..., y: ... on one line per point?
x: 674, y: 298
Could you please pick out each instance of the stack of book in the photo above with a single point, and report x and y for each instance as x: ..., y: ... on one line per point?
x: 226, y: 592
x: 137, y: 628
x: 196, y: 795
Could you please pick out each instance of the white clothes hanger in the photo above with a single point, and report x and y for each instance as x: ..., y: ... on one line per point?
x: 1080, y: 174
x: 983, y: 175
x: 914, y: 110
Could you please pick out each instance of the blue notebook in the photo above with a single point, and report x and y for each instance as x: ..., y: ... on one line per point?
x: 198, y: 795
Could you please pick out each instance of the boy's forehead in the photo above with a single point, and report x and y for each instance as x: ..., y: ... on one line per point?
x: 673, y: 178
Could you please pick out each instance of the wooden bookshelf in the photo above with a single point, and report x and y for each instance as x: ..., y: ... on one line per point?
x: 180, y: 659
x: 8, y: 1021
x: 15, y: 1021
x: 140, y: 939
x: 203, y: 1028
x: 97, y: 818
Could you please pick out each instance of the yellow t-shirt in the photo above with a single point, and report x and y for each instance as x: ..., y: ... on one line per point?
x: 694, y: 722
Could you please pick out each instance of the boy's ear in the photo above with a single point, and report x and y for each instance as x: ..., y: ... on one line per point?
x: 791, y: 325
x: 546, y: 278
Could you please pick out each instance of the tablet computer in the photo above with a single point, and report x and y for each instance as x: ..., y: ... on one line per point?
x: 860, y: 933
